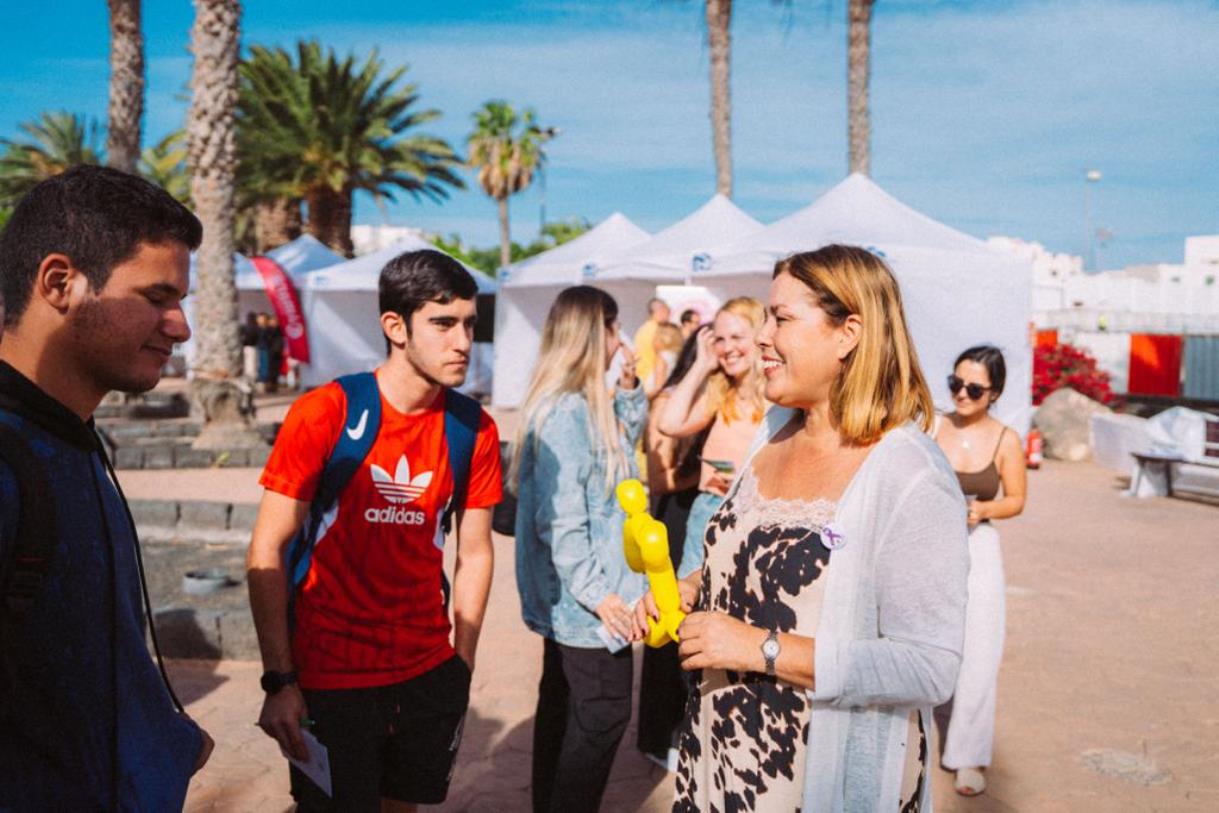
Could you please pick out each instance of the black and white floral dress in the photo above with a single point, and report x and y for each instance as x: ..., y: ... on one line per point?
x: 745, y: 734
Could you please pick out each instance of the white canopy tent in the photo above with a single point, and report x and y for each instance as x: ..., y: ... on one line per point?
x: 304, y: 254
x: 957, y: 291
x: 671, y: 255
x: 616, y: 258
x: 669, y: 259
x: 341, y: 311
x: 297, y: 258
x: 527, y: 289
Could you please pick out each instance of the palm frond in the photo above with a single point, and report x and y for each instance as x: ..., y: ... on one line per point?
x: 506, y: 148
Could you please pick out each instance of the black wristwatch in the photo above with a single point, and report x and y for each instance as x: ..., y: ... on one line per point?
x: 273, y: 682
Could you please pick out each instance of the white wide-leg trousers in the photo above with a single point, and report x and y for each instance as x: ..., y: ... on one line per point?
x: 971, y: 730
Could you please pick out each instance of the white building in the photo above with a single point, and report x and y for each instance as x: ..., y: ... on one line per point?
x: 1156, y: 297
x: 1050, y: 270
x: 1202, y: 251
x: 369, y: 238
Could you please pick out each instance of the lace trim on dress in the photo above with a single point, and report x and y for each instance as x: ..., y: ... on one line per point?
x: 811, y: 514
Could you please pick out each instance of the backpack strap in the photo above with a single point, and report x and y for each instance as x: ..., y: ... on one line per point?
x: 361, y: 423
x: 462, y: 415
x: 29, y: 556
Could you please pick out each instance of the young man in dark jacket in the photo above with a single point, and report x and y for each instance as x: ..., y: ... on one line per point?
x: 94, y: 264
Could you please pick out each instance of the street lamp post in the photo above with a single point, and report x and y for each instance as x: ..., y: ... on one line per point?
x: 1091, y: 177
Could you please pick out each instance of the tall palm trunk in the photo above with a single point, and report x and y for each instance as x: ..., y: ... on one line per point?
x: 276, y: 222
x: 859, y: 126
x: 330, y: 218
x: 505, y: 238
x: 211, y: 152
x: 126, y: 85
x: 719, y: 20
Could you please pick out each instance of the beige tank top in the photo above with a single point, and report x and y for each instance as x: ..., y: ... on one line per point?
x: 727, y: 441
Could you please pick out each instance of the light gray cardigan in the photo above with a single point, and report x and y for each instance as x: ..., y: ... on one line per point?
x: 892, y: 621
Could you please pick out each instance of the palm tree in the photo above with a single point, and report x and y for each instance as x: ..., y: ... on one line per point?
x: 212, y: 157
x: 269, y: 190
x: 165, y: 164
x: 276, y: 221
x: 506, y: 148
x: 56, y: 141
x: 719, y: 21
x: 859, y: 128
x: 320, y: 129
x: 126, y: 85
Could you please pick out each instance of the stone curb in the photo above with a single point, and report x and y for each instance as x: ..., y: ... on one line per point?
x: 167, y: 445
x: 193, y: 520
x: 186, y: 632
x: 160, y: 407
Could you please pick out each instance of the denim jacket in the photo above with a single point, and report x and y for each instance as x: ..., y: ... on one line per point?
x: 568, y: 527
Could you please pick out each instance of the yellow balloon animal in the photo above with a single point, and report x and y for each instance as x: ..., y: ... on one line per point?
x: 645, y: 542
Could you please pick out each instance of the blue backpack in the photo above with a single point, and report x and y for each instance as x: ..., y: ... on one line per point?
x: 360, y: 426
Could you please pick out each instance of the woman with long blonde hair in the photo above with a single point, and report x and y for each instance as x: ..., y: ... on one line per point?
x: 574, y: 444
x: 667, y: 342
x: 831, y: 608
x: 721, y: 395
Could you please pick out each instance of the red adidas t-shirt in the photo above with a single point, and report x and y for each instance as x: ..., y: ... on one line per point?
x: 371, y: 611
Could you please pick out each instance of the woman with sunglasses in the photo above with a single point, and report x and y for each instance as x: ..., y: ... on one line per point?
x: 986, y: 455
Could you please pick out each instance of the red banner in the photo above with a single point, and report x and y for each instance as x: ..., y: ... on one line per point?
x: 287, y: 304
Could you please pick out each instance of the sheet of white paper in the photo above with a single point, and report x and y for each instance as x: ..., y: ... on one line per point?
x: 317, y: 767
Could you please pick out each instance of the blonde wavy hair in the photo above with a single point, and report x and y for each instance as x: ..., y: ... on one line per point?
x: 572, y: 359
x: 722, y: 391
x: 880, y: 385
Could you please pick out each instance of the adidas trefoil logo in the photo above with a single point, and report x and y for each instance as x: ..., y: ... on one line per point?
x: 400, y: 488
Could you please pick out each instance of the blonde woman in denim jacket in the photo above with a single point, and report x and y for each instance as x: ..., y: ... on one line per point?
x: 574, y: 445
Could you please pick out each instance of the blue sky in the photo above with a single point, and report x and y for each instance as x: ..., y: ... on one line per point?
x: 985, y: 114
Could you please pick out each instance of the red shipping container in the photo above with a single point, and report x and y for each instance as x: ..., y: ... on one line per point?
x: 1155, y: 365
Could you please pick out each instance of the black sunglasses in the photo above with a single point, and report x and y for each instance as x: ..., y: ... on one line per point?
x: 974, y: 391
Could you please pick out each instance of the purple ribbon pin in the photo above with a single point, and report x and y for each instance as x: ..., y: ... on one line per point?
x: 832, y: 538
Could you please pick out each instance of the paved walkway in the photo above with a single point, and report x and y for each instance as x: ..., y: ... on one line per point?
x: 1111, y: 657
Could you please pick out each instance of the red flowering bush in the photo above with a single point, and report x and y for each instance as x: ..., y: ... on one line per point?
x: 1064, y: 365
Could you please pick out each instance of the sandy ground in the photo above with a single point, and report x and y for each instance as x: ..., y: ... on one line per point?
x: 1111, y: 644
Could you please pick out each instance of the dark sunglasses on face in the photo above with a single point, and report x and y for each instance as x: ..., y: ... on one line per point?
x: 974, y: 391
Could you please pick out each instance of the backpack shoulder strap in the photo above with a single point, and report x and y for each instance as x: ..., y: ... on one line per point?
x: 361, y: 423
x: 28, y: 557
x: 360, y: 427
x: 462, y: 415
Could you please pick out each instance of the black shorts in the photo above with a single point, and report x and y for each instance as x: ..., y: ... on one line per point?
x: 394, y: 742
